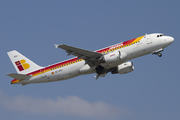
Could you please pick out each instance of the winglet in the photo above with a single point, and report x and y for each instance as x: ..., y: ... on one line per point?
x: 56, y: 46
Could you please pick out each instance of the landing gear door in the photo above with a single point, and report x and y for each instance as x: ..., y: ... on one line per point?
x: 148, y: 39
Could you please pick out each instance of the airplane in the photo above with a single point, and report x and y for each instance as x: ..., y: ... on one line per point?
x: 114, y: 59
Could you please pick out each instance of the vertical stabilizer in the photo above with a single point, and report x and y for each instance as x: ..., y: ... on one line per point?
x: 22, y: 64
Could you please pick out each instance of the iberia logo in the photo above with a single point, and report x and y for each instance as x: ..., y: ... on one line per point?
x: 22, y: 65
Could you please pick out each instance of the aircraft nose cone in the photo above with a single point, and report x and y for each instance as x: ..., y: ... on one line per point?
x: 171, y: 40
x: 168, y: 40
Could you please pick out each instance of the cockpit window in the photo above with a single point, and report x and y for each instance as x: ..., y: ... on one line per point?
x: 160, y: 35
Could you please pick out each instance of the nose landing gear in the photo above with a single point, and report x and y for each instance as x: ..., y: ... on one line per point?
x: 159, y: 54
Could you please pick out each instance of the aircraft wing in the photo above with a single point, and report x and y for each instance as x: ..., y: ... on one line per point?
x: 90, y: 57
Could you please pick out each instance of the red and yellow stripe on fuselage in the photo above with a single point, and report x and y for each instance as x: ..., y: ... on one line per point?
x: 75, y: 60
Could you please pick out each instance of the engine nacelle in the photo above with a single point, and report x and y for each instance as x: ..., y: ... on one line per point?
x: 124, y: 68
x: 114, y: 56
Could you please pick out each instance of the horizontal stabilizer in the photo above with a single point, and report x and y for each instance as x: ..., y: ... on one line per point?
x: 19, y: 76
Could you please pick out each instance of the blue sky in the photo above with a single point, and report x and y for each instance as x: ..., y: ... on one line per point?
x: 31, y: 27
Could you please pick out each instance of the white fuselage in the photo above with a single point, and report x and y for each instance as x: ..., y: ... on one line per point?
x: 148, y: 44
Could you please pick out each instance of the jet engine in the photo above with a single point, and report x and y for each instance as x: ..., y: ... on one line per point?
x: 124, y: 68
x: 113, y: 57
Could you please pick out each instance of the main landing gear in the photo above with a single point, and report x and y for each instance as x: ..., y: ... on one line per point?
x: 101, y: 72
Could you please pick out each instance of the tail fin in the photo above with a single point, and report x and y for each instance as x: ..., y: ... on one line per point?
x: 22, y: 64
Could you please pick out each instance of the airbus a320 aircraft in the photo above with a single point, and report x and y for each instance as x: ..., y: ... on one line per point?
x: 114, y: 59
